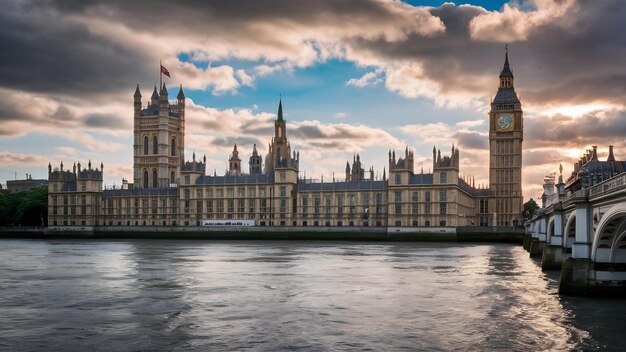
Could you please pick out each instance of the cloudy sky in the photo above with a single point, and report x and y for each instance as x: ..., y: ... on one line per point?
x: 356, y: 76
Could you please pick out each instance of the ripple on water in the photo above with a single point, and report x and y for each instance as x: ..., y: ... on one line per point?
x: 149, y: 295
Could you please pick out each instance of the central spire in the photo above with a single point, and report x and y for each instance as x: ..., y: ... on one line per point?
x: 506, y: 69
x: 280, y: 110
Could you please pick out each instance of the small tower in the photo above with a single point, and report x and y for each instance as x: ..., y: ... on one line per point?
x: 234, y: 163
x: 255, y: 162
x: 347, y: 171
x: 279, y: 152
x: 164, y: 103
x: 180, y: 98
x: 137, y: 101
x: 154, y: 99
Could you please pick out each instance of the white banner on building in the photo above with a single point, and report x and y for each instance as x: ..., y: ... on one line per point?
x: 212, y: 222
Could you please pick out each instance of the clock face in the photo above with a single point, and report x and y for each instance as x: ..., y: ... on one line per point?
x: 504, y: 122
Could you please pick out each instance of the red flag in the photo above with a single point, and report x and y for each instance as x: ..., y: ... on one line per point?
x: 165, y: 71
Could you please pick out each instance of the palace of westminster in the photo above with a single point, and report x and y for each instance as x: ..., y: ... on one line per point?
x: 169, y: 191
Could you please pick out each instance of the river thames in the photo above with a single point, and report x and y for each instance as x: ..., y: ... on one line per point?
x: 135, y: 295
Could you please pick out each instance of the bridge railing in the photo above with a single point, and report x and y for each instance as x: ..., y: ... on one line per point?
x: 608, y: 186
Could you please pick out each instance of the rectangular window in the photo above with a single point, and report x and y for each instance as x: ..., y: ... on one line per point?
x: 219, y: 193
x: 240, y: 205
x: 283, y: 191
x: 442, y: 196
x: 209, y: 206
x: 199, y: 206
x: 442, y: 208
x: 340, y: 204
x: 231, y: 206
x: 220, y: 206
x: 316, y: 204
x: 251, y: 192
x: 328, y: 201
x: 398, y: 202
x: 379, y: 204
x: 230, y: 192
x: 199, y: 192
x: 352, y: 203
x: 305, y: 204
x: 398, y: 179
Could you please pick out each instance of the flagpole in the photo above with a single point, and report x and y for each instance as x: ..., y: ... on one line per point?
x: 160, y: 75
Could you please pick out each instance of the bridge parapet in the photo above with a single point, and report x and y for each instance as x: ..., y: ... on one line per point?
x: 608, y: 187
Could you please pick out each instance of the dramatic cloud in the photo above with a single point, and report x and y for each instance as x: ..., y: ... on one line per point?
x: 513, y: 24
x: 70, y: 65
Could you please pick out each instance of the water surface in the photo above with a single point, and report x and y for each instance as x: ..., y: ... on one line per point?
x: 78, y: 295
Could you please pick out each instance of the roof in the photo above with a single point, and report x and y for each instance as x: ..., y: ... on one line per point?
x: 506, y: 96
x: 234, y: 180
x: 342, y: 186
x: 603, y: 166
x: 506, y: 69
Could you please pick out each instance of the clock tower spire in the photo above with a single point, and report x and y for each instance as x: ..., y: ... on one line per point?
x: 506, y: 133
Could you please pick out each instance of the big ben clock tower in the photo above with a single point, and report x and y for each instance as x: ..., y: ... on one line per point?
x: 506, y: 133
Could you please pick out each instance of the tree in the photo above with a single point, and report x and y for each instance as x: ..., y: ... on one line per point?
x: 530, y: 207
x: 26, y: 208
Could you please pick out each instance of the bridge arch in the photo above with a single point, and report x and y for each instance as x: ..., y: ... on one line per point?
x: 569, y: 235
x: 609, y: 240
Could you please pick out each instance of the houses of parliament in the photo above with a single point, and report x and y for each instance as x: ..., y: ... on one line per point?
x: 168, y: 191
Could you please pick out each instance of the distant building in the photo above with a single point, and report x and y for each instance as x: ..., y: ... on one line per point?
x: 167, y: 191
x: 14, y: 186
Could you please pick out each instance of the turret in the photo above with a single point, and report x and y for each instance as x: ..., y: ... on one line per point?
x: 154, y: 99
x: 181, y: 96
x: 164, y: 103
x: 137, y: 99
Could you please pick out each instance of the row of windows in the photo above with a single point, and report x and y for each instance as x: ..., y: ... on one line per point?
x: 443, y: 178
x: 231, y: 192
x: 507, y: 147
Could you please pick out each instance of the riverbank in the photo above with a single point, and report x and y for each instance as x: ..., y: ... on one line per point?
x: 274, y: 233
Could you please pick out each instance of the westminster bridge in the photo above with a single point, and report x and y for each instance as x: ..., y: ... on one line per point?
x: 584, y: 235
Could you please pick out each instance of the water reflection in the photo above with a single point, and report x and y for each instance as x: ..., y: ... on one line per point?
x: 198, y: 295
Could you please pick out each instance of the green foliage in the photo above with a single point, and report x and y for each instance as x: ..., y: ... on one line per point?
x: 530, y: 207
x: 24, y: 208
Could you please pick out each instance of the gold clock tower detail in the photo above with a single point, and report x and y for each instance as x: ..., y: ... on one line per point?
x: 506, y: 133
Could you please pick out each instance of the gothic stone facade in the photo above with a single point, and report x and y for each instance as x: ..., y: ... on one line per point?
x: 166, y: 191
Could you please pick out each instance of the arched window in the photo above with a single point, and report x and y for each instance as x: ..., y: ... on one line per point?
x: 172, y: 177
x: 173, y: 151
x: 145, y: 177
x: 154, y: 179
x: 155, y: 145
x: 145, y: 145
